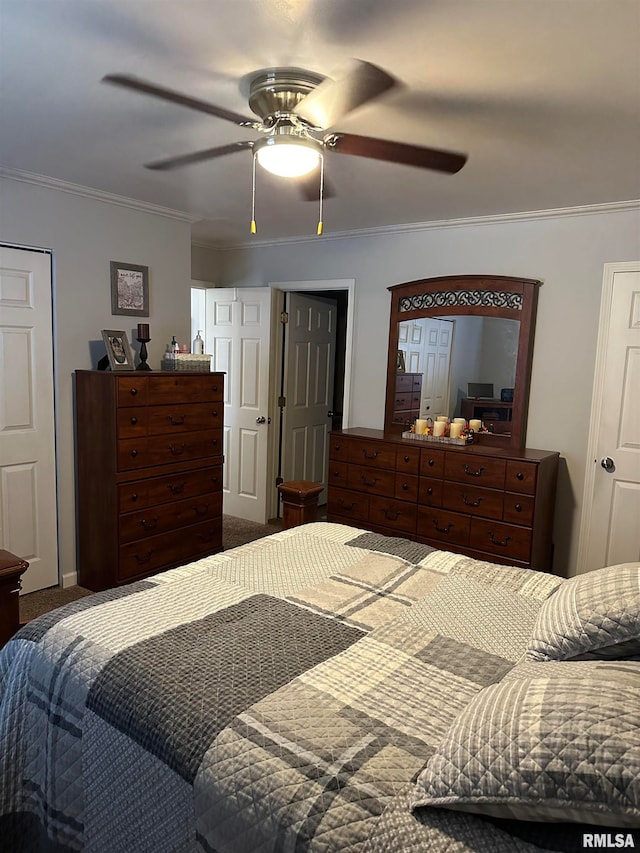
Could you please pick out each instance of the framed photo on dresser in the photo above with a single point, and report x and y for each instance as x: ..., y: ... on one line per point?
x: 119, y: 351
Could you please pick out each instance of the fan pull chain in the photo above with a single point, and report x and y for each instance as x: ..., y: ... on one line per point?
x: 253, y: 196
x: 319, y: 229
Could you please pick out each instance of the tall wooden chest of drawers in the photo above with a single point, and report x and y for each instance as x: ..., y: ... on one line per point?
x: 149, y: 472
x: 408, y: 393
x: 489, y: 503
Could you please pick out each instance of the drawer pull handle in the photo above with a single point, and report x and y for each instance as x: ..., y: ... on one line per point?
x: 134, y: 497
x: 518, y: 507
x: 471, y: 473
x: 501, y: 542
x: 467, y: 502
x: 134, y: 453
x: 142, y: 560
x: 346, y: 506
x: 369, y: 482
x: 134, y: 421
x: 176, y: 451
x: 429, y: 491
x: 150, y: 525
x: 176, y: 488
x: 201, y: 510
x: 214, y: 413
x: 134, y: 391
x: 176, y: 421
x: 207, y: 537
x: 373, y: 455
x: 519, y: 476
x: 406, y: 458
x: 390, y: 515
x: 442, y: 529
x: 405, y: 487
x: 431, y: 463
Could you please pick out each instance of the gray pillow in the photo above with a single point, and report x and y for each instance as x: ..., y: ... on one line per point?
x: 596, y: 615
x: 561, y: 746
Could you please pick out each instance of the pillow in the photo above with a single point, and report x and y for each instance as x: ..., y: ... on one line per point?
x: 596, y: 615
x: 561, y: 746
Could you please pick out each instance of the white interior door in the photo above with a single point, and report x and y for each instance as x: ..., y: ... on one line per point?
x: 310, y: 352
x: 411, y: 342
x: 436, y: 363
x: 238, y: 335
x: 28, y: 510
x: 611, y: 519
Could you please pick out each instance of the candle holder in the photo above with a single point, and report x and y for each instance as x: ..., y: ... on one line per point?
x: 143, y: 341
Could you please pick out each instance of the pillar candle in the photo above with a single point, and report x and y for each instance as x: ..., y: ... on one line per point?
x: 421, y: 426
x: 438, y: 427
x: 475, y: 424
x: 462, y: 421
x: 443, y: 418
x: 455, y: 430
x: 143, y: 330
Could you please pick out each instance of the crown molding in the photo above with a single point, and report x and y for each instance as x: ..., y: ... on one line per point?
x: 413, y: 227
x: 385, y: 230
x: 97, y: 195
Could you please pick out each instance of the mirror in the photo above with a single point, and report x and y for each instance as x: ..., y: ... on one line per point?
x: 461, y: 346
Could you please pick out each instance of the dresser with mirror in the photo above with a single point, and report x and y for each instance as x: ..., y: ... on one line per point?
x: 467, y: 344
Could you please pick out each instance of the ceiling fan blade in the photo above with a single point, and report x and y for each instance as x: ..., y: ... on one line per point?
x: 128, y: 82
x: 197, y: 156
x: 333, y: 99
x: 395, y: 152
x: 309, y: 186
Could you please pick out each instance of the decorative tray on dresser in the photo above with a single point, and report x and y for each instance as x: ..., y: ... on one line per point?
x: 149, y: 472
x: 490, y: 503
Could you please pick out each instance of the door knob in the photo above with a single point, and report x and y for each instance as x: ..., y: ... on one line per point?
x: 607, y: 463
x: 261, y: 420
x: 330, y: 413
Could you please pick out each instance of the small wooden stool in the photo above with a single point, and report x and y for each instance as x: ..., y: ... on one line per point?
x: 299, y: 502
x: 11, y: 569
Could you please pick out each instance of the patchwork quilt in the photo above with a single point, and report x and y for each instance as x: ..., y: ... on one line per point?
x: 282, y: 696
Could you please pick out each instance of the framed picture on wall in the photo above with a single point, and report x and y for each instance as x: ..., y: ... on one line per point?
x: 129, y: 289
x: 118, y: 350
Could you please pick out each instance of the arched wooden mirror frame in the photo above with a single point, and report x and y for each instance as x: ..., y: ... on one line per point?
x: 476, y: 295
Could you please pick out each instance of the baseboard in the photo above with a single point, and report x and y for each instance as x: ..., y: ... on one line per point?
x: 69, y: 579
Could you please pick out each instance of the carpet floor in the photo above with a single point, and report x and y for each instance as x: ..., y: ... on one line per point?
x: 235, y: 531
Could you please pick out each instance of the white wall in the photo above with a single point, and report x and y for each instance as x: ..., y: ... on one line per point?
x: 566, y: 252
x: 205, y: 263
x: 85, y: 234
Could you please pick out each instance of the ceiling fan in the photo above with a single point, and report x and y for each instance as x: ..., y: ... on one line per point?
x: 296, y: 108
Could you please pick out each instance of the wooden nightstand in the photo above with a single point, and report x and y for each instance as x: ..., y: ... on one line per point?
x: 11, y: 571
x: 299, y: 502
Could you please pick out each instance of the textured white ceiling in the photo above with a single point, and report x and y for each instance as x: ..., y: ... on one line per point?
x: 543, y: 96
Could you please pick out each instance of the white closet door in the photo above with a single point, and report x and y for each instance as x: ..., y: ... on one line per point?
x: 28, y: 509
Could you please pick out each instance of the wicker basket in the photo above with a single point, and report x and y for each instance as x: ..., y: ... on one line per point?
x: 188, y: 361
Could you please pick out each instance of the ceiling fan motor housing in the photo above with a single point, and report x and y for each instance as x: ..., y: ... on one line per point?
x: 275, y: 93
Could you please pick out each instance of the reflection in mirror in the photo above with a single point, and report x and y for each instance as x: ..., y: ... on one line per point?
x: 466, y: 343
x: 462, y: 366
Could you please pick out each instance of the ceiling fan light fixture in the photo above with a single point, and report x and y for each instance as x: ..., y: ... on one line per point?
x: 288, y: 156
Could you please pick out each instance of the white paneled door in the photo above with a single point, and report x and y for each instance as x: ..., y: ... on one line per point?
x: 438, y: 335
x: 238, y: 334
x: 611, y: 521
x: 28, y: 511
x: 310, y: 354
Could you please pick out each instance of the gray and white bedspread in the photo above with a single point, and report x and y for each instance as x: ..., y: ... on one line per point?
x: 281, y: 696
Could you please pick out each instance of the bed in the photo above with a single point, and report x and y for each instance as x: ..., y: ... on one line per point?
x: 326, y: 689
